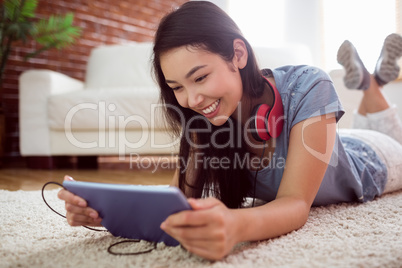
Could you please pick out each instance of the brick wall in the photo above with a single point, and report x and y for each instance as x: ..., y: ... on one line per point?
x: 102, y: 22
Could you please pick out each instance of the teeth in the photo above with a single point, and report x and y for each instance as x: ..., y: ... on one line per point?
x: 211, y: 108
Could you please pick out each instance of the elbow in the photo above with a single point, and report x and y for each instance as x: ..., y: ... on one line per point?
x: 301, y: 210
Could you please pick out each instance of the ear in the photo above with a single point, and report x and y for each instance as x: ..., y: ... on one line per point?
x: 240, y: 53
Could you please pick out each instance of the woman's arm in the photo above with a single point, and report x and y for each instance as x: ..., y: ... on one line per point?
x: 310, y: 149
x: 211, y: 229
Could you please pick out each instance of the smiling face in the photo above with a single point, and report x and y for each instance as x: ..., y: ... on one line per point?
x: 204, y: 82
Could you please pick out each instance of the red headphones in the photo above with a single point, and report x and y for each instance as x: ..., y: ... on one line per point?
x: 268, y: 122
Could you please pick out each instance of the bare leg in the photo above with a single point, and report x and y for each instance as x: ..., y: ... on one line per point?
x: 373, y: 99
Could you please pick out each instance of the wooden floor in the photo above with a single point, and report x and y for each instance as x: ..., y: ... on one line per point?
x: 27, y: 179
x: 110, y: 170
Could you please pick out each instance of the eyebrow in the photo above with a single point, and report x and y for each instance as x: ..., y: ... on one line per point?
x: 189, y: 74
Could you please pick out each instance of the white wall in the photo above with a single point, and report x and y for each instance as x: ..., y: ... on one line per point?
x: 303, y: 25
x: 223, y: 4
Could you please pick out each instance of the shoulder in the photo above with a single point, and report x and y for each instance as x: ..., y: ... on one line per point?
x: 293, y: 71
x: 299, y: 78
x: 306, y: 91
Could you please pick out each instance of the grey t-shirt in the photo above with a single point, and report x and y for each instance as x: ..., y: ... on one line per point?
x: 354, y: 173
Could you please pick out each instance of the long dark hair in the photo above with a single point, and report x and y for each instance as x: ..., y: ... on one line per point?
x: 203, y: 25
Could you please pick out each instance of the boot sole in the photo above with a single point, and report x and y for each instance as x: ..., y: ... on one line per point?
x: 347, y: 58
x: 387, y: 68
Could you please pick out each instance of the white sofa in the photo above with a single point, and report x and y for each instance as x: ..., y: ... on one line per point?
x: 114, y: 111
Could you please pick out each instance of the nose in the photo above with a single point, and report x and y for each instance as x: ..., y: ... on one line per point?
x: 194, y: 99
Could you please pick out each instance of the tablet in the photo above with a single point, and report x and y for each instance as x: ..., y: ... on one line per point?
x: 132, y: 211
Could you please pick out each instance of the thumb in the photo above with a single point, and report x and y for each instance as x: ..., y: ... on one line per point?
x: 68, y: 178
x: 207, y: 203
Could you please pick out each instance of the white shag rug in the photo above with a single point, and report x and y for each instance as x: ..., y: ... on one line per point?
x: 344, y: 235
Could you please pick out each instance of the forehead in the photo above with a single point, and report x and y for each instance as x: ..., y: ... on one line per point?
x: 183, y: 58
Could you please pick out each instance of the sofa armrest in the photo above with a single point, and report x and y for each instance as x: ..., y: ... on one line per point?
x: 47, y: 82
x: 35, y: 86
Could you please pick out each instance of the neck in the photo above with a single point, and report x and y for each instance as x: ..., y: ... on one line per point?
x: 246, y: 104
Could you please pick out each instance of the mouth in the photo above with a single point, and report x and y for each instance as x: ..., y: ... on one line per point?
x: 212, y: 108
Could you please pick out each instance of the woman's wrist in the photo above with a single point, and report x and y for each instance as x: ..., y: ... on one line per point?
x: 240, y: 223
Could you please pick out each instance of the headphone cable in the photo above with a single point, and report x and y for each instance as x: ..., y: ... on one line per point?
x: 256, y: 173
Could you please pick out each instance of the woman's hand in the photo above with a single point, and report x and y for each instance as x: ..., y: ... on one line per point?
x: 209, y: 230
x: 78, y: 213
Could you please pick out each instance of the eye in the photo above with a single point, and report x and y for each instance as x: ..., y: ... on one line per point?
x: 176, y: 88
x: 200, y: 79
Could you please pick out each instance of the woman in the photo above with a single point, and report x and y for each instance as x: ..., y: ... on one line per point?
x: 207, y: 69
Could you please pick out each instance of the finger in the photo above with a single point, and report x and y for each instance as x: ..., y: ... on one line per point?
x: 192, y: 218
x: 81, y: 216
x: 188, y: 234
x: 68, y: 178
x: 78, y: 220
x: 183, y: 219
x: 203, y: 203
x: 71, y: 198
x: 89, y: 212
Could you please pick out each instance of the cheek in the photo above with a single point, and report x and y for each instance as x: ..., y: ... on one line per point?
x: 229, y: 85
x: 235, y: 87
x: 181, y: 99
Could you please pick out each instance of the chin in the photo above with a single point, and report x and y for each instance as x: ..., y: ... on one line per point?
x: 216, y: 121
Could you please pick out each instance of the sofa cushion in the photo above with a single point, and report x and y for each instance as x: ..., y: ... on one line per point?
x: 114, y: 66
x: 130, y: 65
x: 126, y: 108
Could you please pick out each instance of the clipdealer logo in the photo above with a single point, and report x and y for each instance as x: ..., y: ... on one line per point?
x: 112, y: 130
